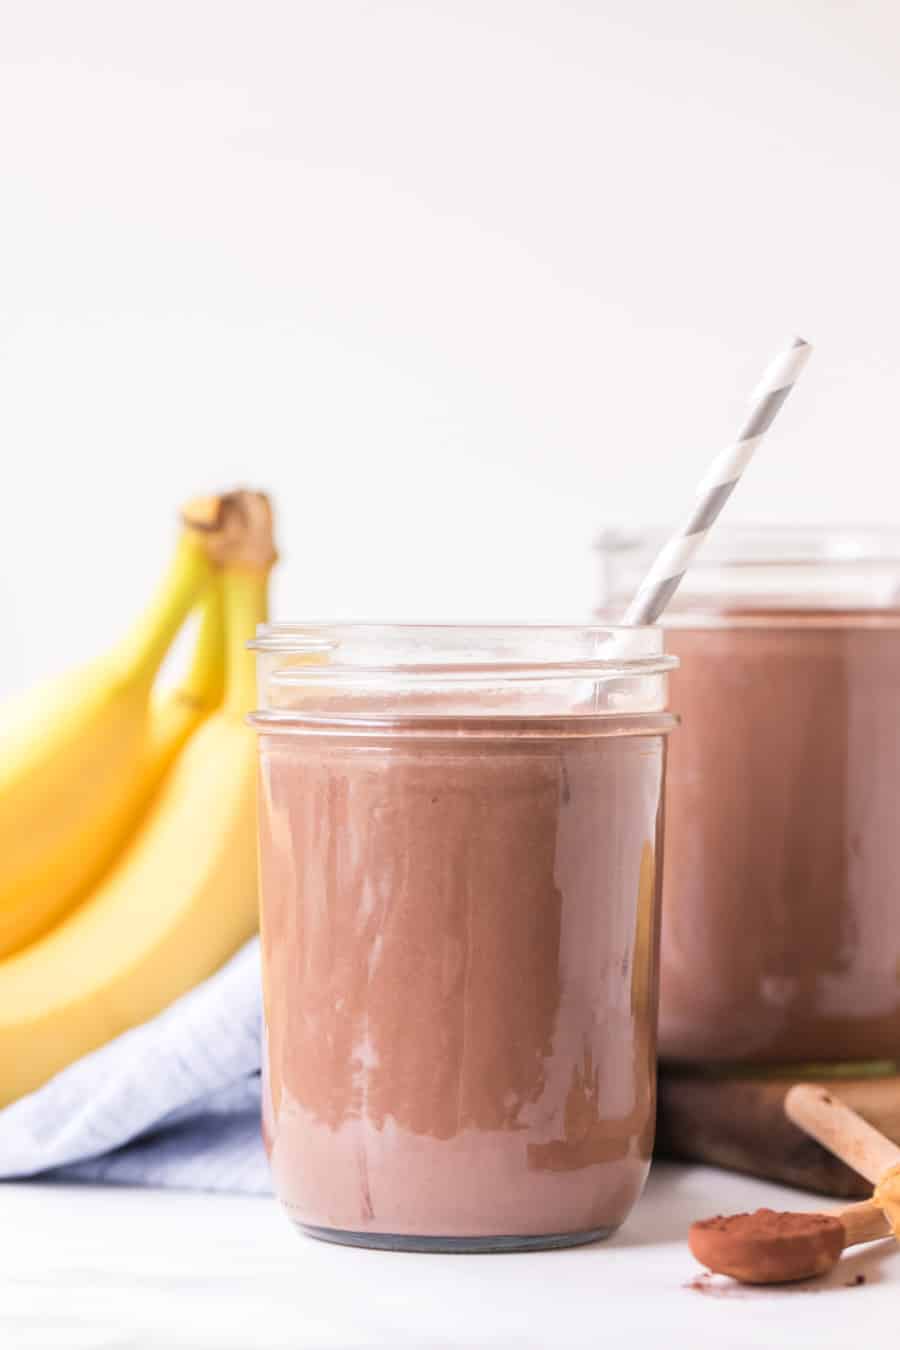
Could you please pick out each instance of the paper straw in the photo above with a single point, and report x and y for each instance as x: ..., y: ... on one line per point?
x: 716, y: 486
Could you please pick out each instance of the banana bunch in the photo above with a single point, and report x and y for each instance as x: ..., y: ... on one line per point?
x: 127, y: 816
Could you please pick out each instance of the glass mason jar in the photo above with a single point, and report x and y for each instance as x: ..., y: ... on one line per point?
x: 459, y: 836
x: 781, y: 904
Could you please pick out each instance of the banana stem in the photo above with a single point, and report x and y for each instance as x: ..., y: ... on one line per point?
x: 246, y: 591
x: 141, y: 652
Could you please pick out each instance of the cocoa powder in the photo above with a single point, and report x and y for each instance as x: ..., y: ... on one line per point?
x: 768, y: 1246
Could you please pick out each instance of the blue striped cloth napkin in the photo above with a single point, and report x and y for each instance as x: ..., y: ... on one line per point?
x: 174, y: 1102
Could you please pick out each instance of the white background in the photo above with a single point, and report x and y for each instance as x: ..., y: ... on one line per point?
x: 456, y: 281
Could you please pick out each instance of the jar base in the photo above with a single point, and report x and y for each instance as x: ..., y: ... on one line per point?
x: 408, y: 1242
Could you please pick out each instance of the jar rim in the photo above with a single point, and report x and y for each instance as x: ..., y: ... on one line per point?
x: 754, y: 544
x: 466, y: 652
x: 456, y: 727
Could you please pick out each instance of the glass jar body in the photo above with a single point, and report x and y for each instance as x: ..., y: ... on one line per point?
x: 781, y: 930
x: 459, y: 931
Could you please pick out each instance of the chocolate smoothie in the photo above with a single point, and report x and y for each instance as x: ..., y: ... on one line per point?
x: 781, y: 910
x: 459, y: 933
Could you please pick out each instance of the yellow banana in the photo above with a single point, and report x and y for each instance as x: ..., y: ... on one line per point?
x: 180, y: 899
x: 176, y: 712
x: 81, y: 755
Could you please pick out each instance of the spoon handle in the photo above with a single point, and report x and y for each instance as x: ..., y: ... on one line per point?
x: 836, y: 1126
x: 864, y: 1222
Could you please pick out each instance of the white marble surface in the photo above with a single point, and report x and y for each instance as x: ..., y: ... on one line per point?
x: 89, y: 1267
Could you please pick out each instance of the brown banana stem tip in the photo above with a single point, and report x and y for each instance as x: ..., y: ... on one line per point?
x: 237, y: 528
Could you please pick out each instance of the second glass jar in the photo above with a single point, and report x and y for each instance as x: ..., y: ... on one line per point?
x: 781, y: 916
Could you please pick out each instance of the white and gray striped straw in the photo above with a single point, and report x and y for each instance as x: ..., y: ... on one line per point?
x: 716, y: 486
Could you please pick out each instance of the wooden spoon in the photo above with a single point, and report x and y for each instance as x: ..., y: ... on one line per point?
x: 839, y: 1128
x: 772, y: 1248
x: 769, y: 1247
